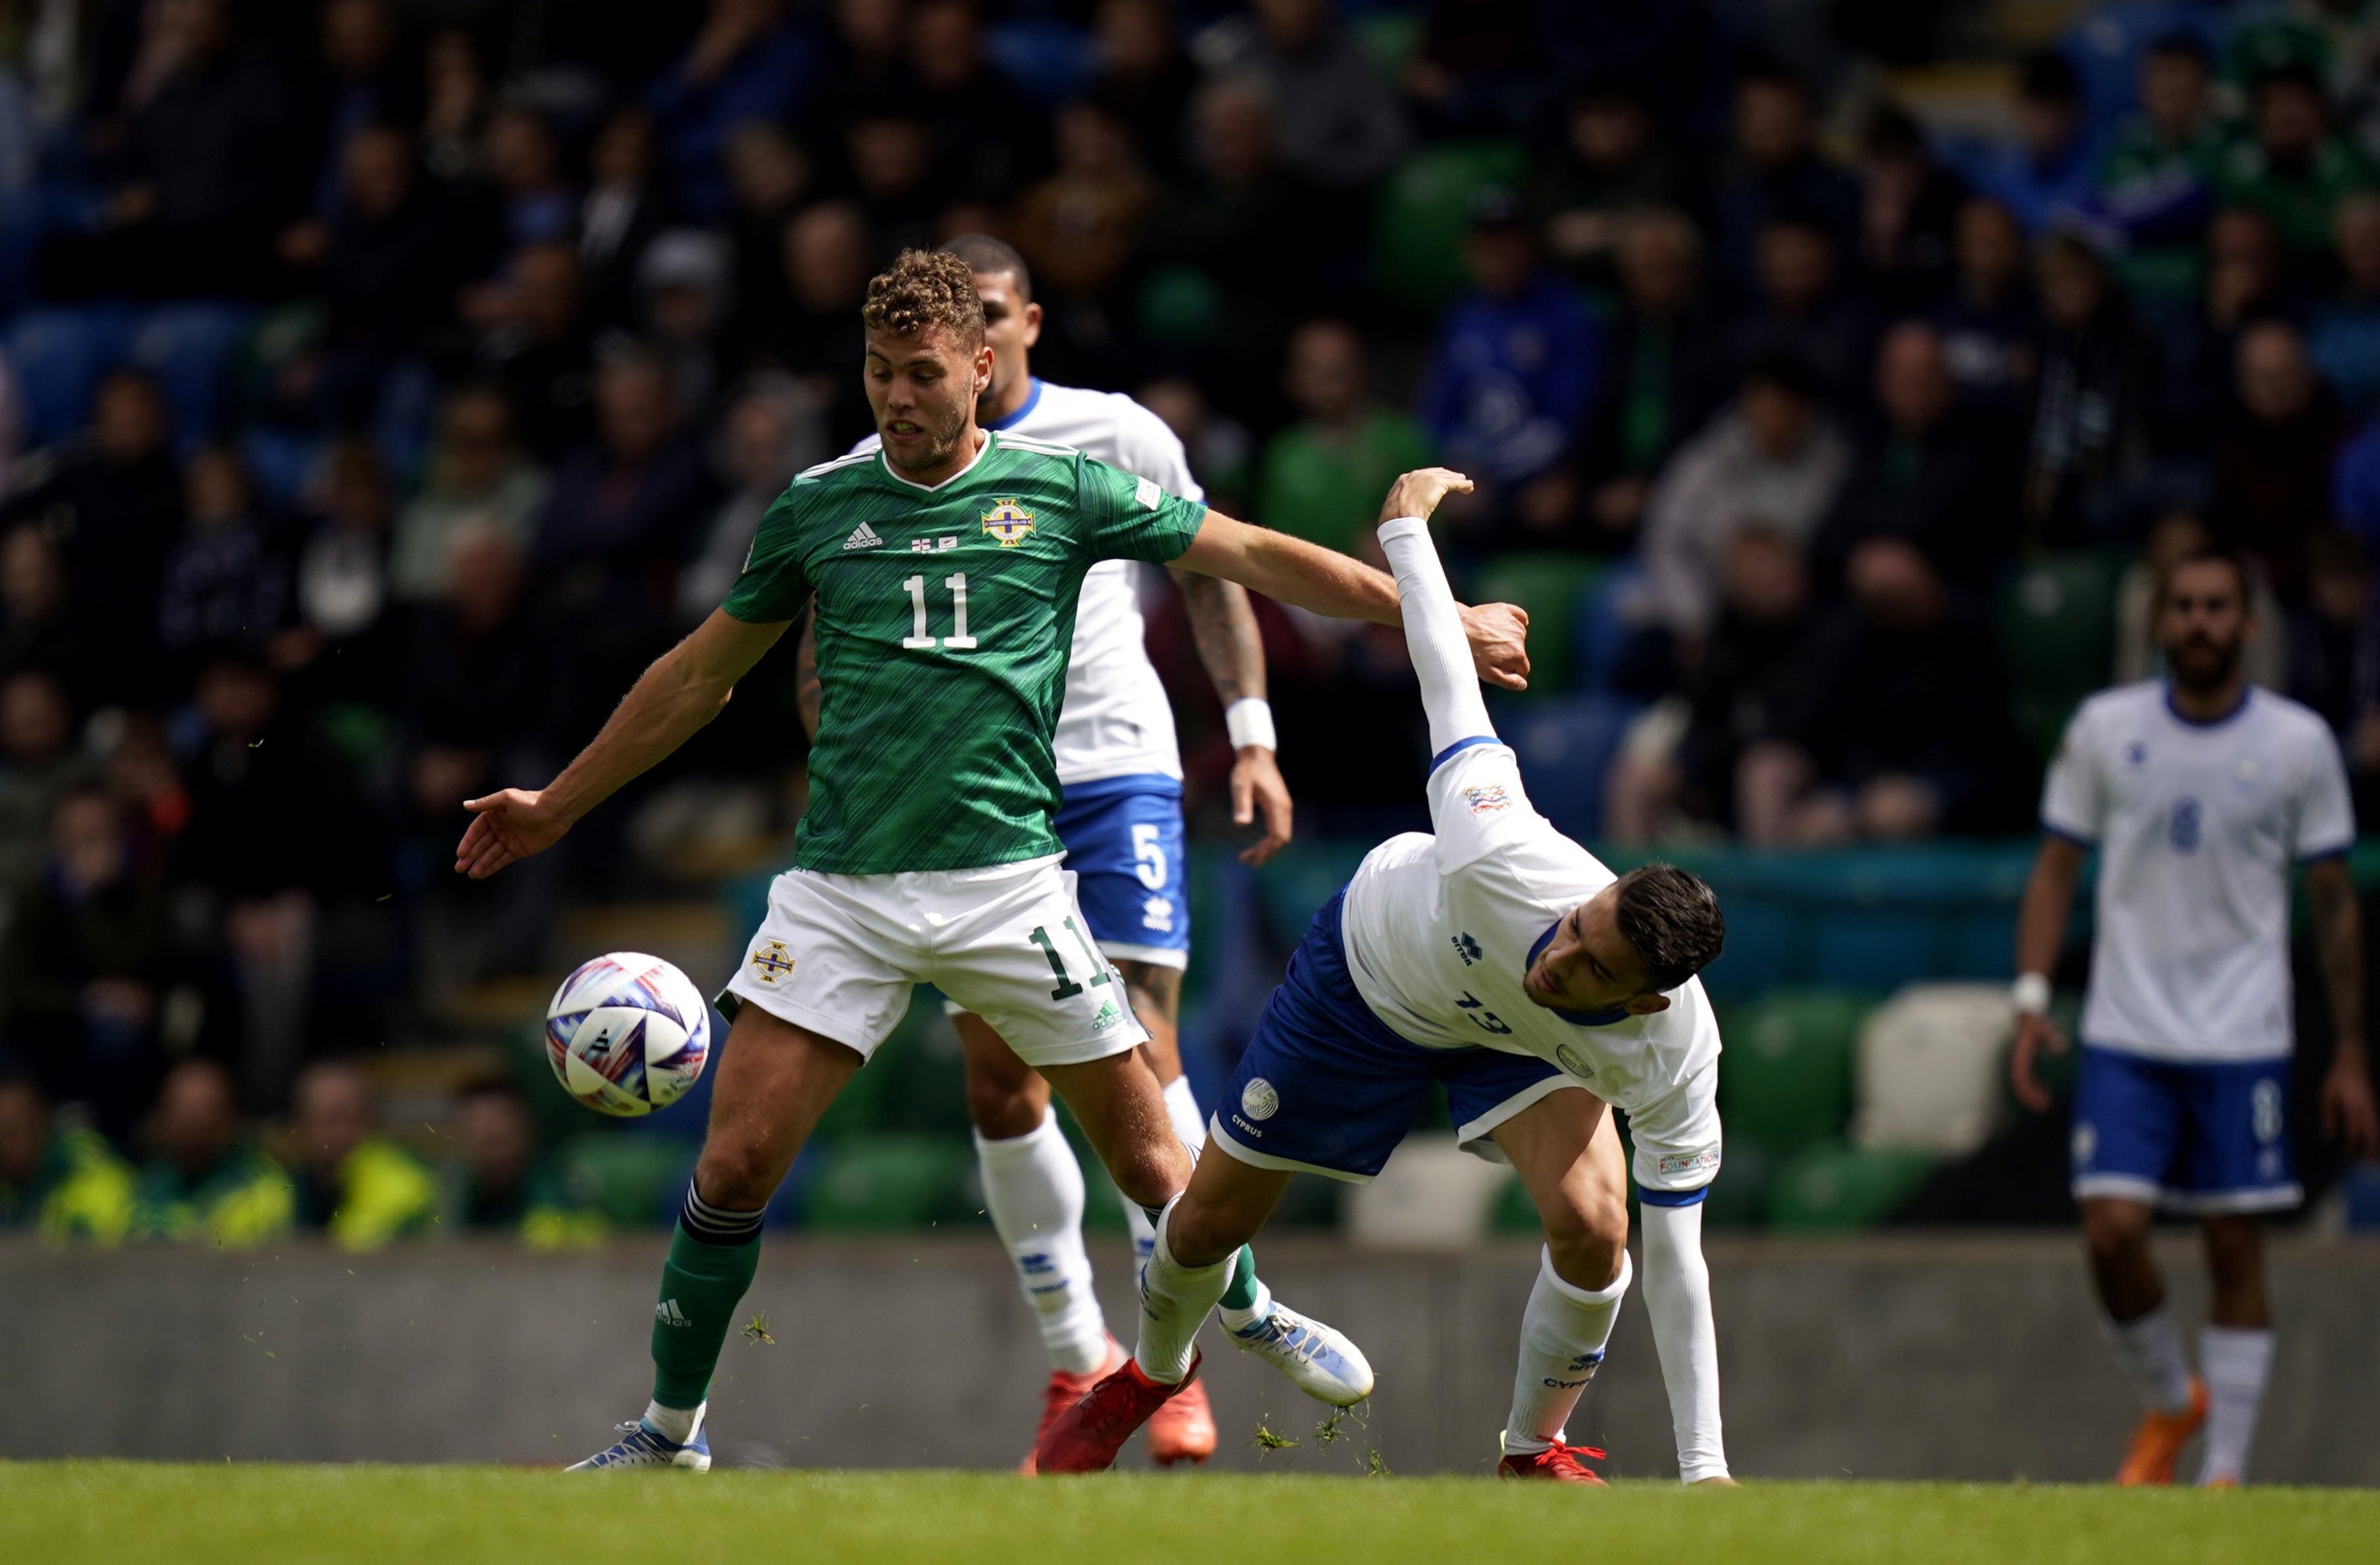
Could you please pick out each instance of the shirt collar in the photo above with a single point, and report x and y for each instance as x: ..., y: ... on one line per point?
x: 1024, y: 409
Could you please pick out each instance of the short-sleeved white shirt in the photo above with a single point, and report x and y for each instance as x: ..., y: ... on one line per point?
x: 1115, y: 721
x: 2196, y: 824
x: 1440, y: 929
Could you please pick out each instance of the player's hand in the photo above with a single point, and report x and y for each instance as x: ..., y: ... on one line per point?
x: 1256, y: 786
x: 1417, y: 493
x: 2347, y: 1108
x: 505, y: 827
x: 1499, y: 643
x: 2035, y: 1033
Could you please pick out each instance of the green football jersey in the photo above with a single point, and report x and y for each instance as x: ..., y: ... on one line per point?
x: 945, y: 617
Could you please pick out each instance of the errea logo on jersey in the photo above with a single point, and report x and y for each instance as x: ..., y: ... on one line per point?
x: 1008, y: 522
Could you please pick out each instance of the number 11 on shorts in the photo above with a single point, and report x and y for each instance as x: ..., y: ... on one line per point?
x: 1067, y: 989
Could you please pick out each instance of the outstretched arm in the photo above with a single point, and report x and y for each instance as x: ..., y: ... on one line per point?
x: 1677, y: 1295
x: 2040, y: 935
x: 1306, y: 576
x: 1225, y: 625
x: 683, y: 690
x: 1450, y: 692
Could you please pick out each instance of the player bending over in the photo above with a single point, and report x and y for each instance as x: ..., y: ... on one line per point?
x: 1502, y: 959
x: 1120, y: 823
x: 2199, y: 795
x: 945, y: 570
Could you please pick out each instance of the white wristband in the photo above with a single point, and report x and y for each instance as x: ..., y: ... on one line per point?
x: 2031, y: 992
x: 1249, y: 722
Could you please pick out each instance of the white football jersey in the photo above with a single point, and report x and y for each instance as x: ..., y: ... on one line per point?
x: 1115, y: 721
x: 1440, y: 928
x: 2196, y: 825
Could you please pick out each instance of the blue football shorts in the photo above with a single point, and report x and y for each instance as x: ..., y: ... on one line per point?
x: 1325, y: 1087
x: 2193, y: 1138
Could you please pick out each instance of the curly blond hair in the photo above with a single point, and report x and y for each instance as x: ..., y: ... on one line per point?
x: 924, y: 288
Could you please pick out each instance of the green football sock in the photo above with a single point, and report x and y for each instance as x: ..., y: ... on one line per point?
x: 702, y: 1285
x: 1241, y: 1293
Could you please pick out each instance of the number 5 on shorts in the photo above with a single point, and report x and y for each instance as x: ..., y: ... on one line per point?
x: 1067, y: 989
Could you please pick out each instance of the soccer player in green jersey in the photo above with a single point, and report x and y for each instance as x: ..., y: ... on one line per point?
x: 945, y: 571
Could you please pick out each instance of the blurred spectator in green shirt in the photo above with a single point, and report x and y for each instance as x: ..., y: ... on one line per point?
x: 2156, y: 178
x: 2295, y: 170
x: 64, y: 1183
x: 208, y: 1181
x: 1323, y: 475
x: 501, y: 1182
x: 354, y: 1183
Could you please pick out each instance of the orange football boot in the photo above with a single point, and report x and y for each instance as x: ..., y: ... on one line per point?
x: 2158, y: 1441
x: 1086, y: 1435
x: 1066, y: 1388
x: 1183, y: 1429
x: 1558, y: 1463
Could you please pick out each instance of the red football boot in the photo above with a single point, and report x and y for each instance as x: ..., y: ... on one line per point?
x: 1066, y: 1388
x: 1558, y: 1463
x: 1183, y: 1429
x: 1086, y: 1435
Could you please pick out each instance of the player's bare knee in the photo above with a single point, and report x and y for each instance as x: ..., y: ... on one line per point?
x: 2115, y: 1228
x: 1585, y: 1234
x: 734, y: 1175
x: 1151, y: 1175
x: 1197, y: 1236
x: 1001, y: 1111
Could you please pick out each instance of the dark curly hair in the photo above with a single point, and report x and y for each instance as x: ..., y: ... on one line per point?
x: 1671, y: 918
x: 925, y: 288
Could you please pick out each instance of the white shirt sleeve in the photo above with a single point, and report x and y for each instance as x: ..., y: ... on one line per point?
x: 1441, y: 653
x: 1148, y: 448
x: 2073, y: 799
x: 1677, y: 1295
x: 2325, y: 812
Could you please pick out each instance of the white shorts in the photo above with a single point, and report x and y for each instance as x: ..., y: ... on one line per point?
x: 839, y: 953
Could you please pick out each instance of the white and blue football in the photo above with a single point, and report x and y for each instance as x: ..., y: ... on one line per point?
x: 628, y: 1034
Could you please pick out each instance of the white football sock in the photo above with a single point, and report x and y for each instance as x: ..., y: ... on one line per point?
x: 2149, y: 1347
x: 2236, y: 1362
x: 1563, y: 1334
x: 675, y: 1425
x: 1033, y: 1188
x: 1182, y: 1108
x: 1175, y: 1300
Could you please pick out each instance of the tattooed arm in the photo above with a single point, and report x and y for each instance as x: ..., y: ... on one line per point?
x: 1223, y: 624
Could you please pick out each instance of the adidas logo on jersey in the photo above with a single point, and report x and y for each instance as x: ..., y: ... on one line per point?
x: 668, y: 1314
x: 863, y: 537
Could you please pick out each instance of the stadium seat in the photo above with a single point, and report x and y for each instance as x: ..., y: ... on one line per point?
x: 1565, y: 747
x: 1834, y: 1186
x: 1551, y: 588
x: 1785, y: 1078
x: 59, y: 352
x: 1597, y: 630
x: 1424, y: 211
x: 635, y: 1181
x: 1929, y: 1069
x: 889, y: 1181
x: 2057, y: 620
x: 189, y: 348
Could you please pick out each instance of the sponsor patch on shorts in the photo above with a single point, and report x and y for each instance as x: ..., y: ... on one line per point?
x: 1686, y: 1163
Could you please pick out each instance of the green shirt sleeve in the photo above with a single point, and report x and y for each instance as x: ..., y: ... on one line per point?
x: 772, y: 588
x: 1131, y: 518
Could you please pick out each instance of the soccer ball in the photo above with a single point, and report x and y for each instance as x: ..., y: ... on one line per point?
x: 628, y: 1034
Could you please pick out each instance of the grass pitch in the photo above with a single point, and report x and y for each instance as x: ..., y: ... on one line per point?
x: 57, y: 1513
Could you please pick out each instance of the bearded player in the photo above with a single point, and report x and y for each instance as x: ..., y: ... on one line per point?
x: 945, y: 570
x: 1499, y: 958
x: 1122, y: 826
x: 2200, y: 795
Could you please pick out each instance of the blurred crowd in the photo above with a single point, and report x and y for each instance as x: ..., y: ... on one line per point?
x: 384, y: 382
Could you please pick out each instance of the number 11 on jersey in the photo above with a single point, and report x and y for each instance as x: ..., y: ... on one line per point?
x: 919, y: 639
